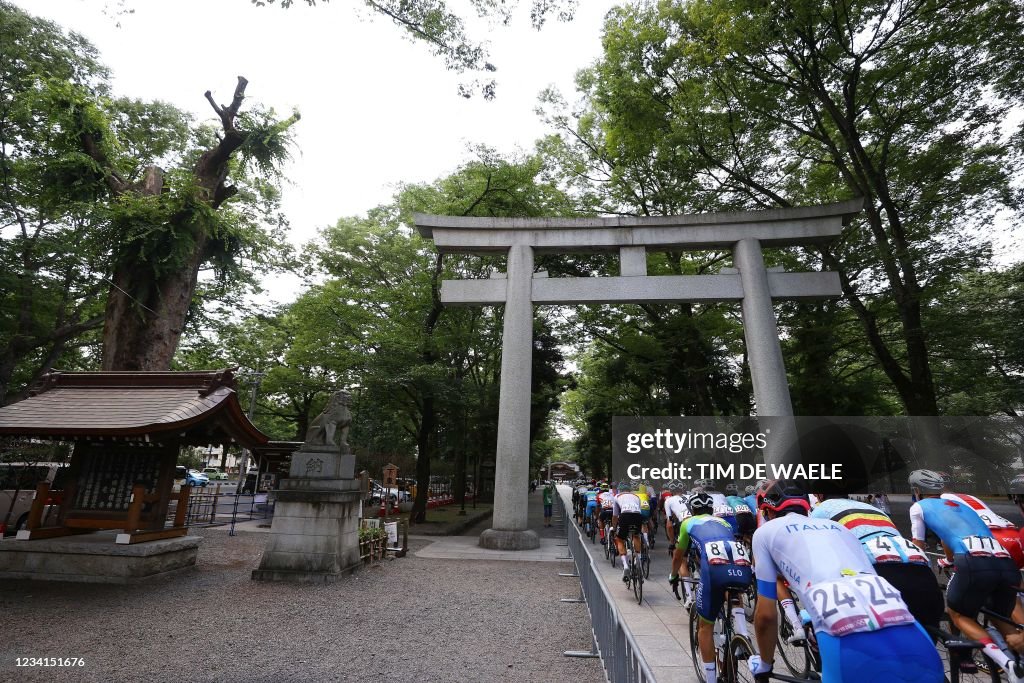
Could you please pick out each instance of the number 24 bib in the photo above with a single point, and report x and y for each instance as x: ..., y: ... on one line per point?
x: 866, y: 602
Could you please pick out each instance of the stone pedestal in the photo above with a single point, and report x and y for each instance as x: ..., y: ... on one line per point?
x: 314, y: 537
x: 509, y: 539
x: 96, y: 558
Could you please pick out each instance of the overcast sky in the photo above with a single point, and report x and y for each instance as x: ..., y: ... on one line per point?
x: 376, y: 108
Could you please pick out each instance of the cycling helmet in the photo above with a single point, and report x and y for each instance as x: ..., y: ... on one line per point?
x: 782, y: 495
x: 1017, y: 485
x: 701, y: 503
x: 927, y: 481
x: 604, y: 487
x: 749, y: 490
x: 732, y: 489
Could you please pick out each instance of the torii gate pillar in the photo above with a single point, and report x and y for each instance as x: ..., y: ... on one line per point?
x: 512, y: 458
x: 750, y: 284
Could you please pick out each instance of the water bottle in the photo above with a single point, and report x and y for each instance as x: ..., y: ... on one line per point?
x: 719, y: 636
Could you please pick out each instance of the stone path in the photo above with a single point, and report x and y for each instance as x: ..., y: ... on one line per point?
x: 464, y: 547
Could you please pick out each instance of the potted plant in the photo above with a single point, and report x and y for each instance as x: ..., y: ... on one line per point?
x: 372, y: 542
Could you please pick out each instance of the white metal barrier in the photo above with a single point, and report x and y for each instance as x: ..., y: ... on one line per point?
x: 613, y: 643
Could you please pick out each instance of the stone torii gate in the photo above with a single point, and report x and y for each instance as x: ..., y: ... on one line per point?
x: 520, y: 288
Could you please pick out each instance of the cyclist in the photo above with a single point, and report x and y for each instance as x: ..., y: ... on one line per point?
x: 666, y: 492
x: 894, y: 558
x: 676, y: 511
x: 606, y: 500
x: 626, y: 517
x: 864, y: 629
x: 743, y: 515
x: 580, y: 500
x: 653, y: 501
x: 750, y: 499
x: 590, y: 501
x: 1003, y: 529
x: 640, y: 490
x: 985, y: 574
x: 724, y: 567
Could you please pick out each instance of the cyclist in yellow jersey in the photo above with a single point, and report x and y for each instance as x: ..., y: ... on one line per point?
x: 640, y: 491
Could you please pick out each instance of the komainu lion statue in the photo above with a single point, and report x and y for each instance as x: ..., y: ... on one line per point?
x: 334, y: 421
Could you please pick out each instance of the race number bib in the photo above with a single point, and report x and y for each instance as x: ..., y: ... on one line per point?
x: 724, y: 552
x: 994, y: 521
x: 723, y: 511
x: 984, y: 546
x: 884, y: 548
x: 862, y: 603
x: 741, y: 509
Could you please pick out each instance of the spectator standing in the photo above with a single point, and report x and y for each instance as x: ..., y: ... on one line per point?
x: 549, y: 491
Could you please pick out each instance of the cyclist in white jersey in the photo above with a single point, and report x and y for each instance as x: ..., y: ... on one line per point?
x: 676, y: 511
x: 626, y: 515
x: 864, y: 630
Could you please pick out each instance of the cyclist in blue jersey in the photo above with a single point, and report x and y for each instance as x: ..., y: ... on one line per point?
x: 724, y: 566
x: 985, y: 575
x: 743, y: 522
x: 864, y: 630
x: 590, y: 498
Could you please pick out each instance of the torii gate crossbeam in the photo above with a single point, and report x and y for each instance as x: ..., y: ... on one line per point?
x: 750, y: 283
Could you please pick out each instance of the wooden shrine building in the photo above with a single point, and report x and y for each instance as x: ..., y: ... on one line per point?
x: 127, y: 429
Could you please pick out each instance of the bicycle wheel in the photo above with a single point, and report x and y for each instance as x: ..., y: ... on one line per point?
x: 735, y: 669
x: 638, y: 580
x: 645, y: 562
x: 796, y: 657
x: 698, y: 663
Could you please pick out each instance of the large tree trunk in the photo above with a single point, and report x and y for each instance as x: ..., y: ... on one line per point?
x: 143, y: 335
x: 428, y: 423
x: 146, y: 312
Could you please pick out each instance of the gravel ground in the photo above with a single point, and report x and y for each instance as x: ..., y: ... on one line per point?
x: 403, y: 620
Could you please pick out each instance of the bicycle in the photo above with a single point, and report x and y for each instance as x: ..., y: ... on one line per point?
x: 645, y: 558
x: 962, y: 658
x: 802, y: 659
x: 588, y: 526
x: 611, y: 552
x: 636, y: 574
x: 731, y: 649
x: 971, y: 664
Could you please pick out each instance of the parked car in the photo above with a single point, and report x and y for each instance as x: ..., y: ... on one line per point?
x: 214, y: 474
x: 18, y: 482
x: 395, y: 495
x: 183, y: 475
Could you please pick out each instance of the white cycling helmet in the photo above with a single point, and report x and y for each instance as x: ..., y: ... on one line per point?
x: 749, y: 491
x: 927, y: 481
